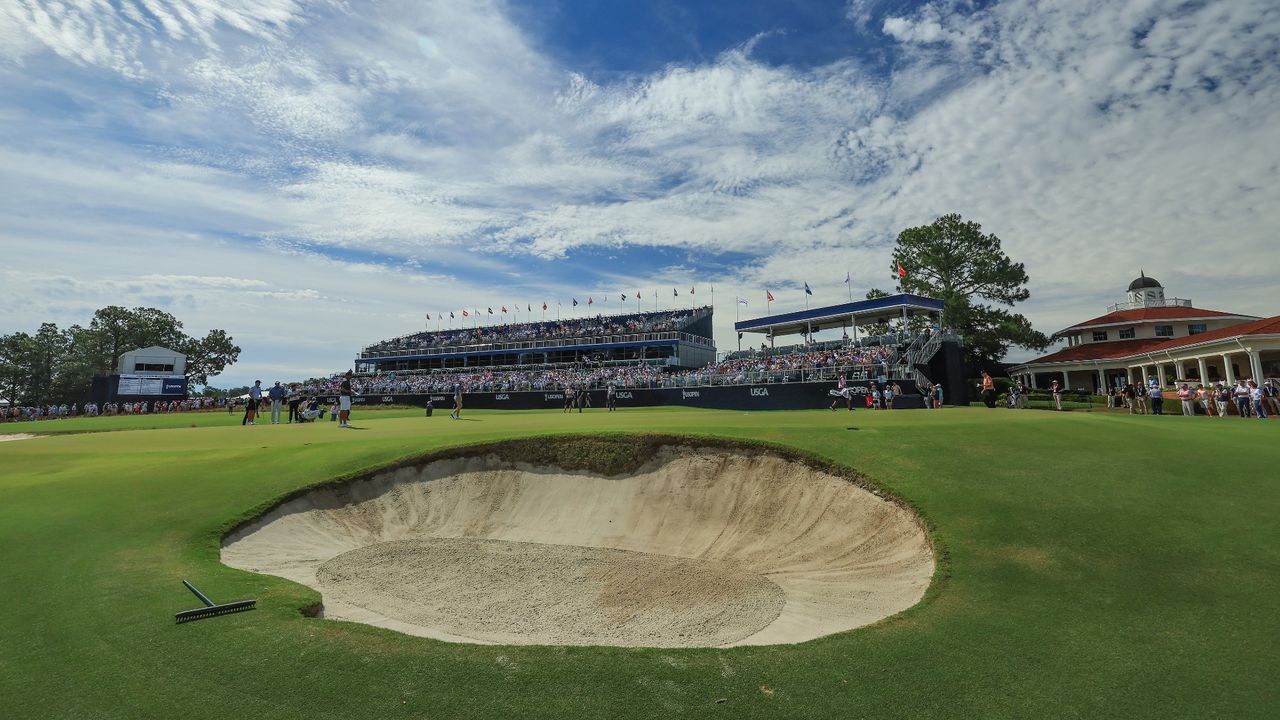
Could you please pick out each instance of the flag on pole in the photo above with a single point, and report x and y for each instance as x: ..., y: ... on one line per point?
x: 846, y: 278
x: 490, y: 311
x: 575, y: 302
x: 768, y: 295
x: 590, y: 300
x: 428, y: 316
x: 451, y: 314
x: 530, y: 307
x: 692, y: 289
x: 465, y: 314
x: 624, y: 297
x: 637, y: 294
x: 807, y: 291
x: 675, y: 292
x: 902, y: 272
x: 544, y: 306
x: 742, y: 301
x: 504, y: 309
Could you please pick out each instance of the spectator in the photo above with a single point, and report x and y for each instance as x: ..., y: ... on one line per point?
x: 251, y: 407
x: 276, y: 393
x: 1188, y: 400
x: 1157, y: 398
x: 1256, y: 395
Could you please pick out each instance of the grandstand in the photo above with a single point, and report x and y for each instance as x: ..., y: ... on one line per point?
x: 673, y: 339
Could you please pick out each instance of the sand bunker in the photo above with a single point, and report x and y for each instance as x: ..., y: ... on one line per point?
x: 17, y: 436
x: 696, y: 548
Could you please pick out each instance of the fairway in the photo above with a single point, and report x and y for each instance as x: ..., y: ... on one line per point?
x: 1089, y: 565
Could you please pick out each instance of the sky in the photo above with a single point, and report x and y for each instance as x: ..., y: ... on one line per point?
x: 316, y: 176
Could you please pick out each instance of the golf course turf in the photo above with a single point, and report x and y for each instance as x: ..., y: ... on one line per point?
x: 1090, y: 565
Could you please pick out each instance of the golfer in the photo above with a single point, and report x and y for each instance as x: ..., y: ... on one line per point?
x: 456, y: 413
x: 344, y: 401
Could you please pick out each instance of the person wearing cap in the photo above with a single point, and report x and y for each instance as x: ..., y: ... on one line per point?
x: 251, y: 406
x: 1242, y: 396
x: 1188, y: 405
x: 1271, y: 397
x: 344, y: 401
x: 1157, y: 398
x: 276, y: 393
x: 1222, y: 398
x: 1056, y: 389
x: 1256, y: 395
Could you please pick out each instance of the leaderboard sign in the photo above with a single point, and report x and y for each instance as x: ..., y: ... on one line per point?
x: 139, y: 385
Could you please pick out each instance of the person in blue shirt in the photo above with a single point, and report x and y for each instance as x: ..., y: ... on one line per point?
x: 276, y: 393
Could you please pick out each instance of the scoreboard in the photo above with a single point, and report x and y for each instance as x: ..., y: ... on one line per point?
x: 139, y: 385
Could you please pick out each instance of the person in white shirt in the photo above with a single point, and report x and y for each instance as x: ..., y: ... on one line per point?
x: 1256, y: 395
x: 251, y: 407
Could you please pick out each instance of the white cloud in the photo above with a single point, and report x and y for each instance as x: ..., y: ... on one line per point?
x: 1094, y: 137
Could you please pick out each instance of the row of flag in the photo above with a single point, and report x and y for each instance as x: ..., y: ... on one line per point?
x: 675, y: 292
x: 575, y: 303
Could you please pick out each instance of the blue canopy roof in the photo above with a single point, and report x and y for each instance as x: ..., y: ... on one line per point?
x: 821, y: 318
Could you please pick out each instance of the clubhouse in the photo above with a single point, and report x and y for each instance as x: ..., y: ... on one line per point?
x: 1151, y: 336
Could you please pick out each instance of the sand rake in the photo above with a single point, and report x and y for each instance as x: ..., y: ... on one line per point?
x: 211, y: 608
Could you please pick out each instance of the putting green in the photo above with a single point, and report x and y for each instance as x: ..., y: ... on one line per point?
x: 1091, y: 565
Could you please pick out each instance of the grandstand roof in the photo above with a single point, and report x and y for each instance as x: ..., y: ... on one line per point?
x: 833, y: 316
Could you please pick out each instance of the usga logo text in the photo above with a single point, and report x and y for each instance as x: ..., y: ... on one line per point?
x: 759, y: 392
x: 502, y: 396
x: 624, y: 396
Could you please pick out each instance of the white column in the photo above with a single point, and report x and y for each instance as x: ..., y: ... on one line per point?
x: 1102, y: 381
x: 1146, y: 380
x: 1128, y: 375
x: 1066, y: 379
x: 1204, y: 371
x: 1226, y: 368
x: 1255, y: 365
x: 1032, y: 378
x: 1160, y: 374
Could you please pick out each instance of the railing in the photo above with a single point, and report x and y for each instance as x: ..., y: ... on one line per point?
x: 1169, y: 302
x: 534, y: 345
x: 855, y: 374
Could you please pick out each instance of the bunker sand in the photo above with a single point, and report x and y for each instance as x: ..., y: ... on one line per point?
x: 697, y: 548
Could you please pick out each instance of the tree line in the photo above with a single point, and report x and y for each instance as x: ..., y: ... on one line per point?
x: 55, y: 365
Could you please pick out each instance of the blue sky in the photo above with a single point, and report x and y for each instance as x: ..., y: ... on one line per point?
x: 315, y: 176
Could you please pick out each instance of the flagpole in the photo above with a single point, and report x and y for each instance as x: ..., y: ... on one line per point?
x: 848, y: 285
x: 735, y: 324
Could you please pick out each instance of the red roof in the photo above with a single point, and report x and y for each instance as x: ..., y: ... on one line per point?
x: 1153, y: 313
x: 1265, y: 326
x: 1103, y: 350
x: 1129, y: 348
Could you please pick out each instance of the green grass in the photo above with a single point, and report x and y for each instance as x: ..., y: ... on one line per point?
x: 1100, y: 565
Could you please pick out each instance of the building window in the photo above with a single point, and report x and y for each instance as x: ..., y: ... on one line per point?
x: 1164, y: 331
x: 152, y: 367
x: 1099, y: 335
x: 1196, y: 329
x: 1127, y: 334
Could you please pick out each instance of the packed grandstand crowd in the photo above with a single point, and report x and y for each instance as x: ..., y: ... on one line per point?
x: 50, y: 412
x: 764, y: 365
x: 653, y: 322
